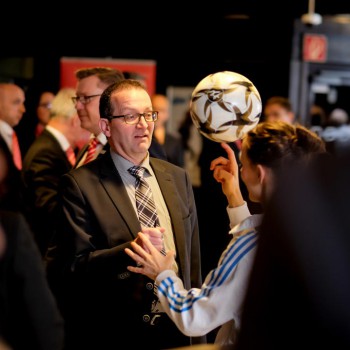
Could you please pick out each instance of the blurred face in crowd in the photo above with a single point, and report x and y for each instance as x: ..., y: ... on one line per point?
x: 130, y: 141
x: 11, y: 104
x: 276, y: 112
x: 44, y: 106
x: 160, y: 103
x: 88, y: 91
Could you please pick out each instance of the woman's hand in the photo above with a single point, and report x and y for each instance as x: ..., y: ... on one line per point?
x: 226, y: 172
x: 155, y: 235
x: 149, y: 260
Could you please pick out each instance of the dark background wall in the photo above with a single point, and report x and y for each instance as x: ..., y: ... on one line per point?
x: 188, y: 41
x: 252, y: 37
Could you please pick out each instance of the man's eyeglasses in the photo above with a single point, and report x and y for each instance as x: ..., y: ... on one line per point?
x: 132, y: 119
x: 83, y: 99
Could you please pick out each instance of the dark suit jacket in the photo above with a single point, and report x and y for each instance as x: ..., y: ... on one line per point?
x: 11, y: 189
x: 99, y: 221
x: 44, y: 164
x: 29, y: 317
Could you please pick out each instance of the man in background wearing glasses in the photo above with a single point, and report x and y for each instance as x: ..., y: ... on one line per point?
x: 90, y: 84
x: 107, y: 306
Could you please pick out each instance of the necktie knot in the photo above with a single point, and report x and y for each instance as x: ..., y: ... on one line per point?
x: 137, y: 171
x: 93, y: 142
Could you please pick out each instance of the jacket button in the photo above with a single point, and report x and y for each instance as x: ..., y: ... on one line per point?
x: 124, y: 275
x: 146, y: 318
x: 149, y: 286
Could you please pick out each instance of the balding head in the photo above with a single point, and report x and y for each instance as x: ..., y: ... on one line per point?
x: 11, y: 103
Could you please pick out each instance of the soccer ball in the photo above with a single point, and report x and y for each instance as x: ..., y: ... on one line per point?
x: 224, y: 106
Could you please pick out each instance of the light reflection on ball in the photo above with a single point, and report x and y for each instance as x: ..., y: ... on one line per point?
x: 224, y: 106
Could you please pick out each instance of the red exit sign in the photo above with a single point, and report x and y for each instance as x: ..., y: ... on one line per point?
x: 315, y: 48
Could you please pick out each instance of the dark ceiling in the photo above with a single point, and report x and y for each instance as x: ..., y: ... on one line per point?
x: 187, y: 40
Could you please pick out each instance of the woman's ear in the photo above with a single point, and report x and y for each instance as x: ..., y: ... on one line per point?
x: 105, y: 126
x: 261, y: 173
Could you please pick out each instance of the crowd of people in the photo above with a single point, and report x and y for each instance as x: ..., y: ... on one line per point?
x: 102, y: 229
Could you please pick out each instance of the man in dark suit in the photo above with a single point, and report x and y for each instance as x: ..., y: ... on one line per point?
x: 11, y: 197
x: 105, y: 305
x: 45, y: 162
x: 12, y: 108
x: 90, y: 84
x: 171, y: 144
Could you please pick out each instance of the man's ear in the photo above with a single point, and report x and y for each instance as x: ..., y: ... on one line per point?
x: 105, y: 126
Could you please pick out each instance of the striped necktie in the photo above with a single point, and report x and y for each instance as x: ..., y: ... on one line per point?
x: 145, y: 205
x: 91, y: 150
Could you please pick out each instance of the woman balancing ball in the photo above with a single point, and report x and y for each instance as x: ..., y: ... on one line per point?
x: 224, y: 106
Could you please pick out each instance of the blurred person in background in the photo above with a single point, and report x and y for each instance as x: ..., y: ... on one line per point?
x: 172, y: 144
x: 12, y: 108
x: 12, y: 98
x: 43, y: 111
x: 91, y: 82
x: 49, y: 157
x: 278, y: 108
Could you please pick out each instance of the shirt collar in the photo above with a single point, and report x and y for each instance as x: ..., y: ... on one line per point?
x: 123, y: 164
x: 101, y: 137
x: 6, y: 128
x: 62, y: 140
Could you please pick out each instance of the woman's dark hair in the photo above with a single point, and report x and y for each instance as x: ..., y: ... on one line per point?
x: 273, y: 144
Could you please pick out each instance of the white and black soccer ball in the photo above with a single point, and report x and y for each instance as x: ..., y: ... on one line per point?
x: 224, y: 106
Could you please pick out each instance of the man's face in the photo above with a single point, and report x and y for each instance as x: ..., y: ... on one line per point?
x: 130, y: 141
x: 88, y: 110
x: 12, y: 104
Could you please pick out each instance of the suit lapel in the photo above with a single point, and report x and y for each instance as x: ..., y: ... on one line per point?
x: 114, y: 186
x: 81, y: 154
x: 172, y: 200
